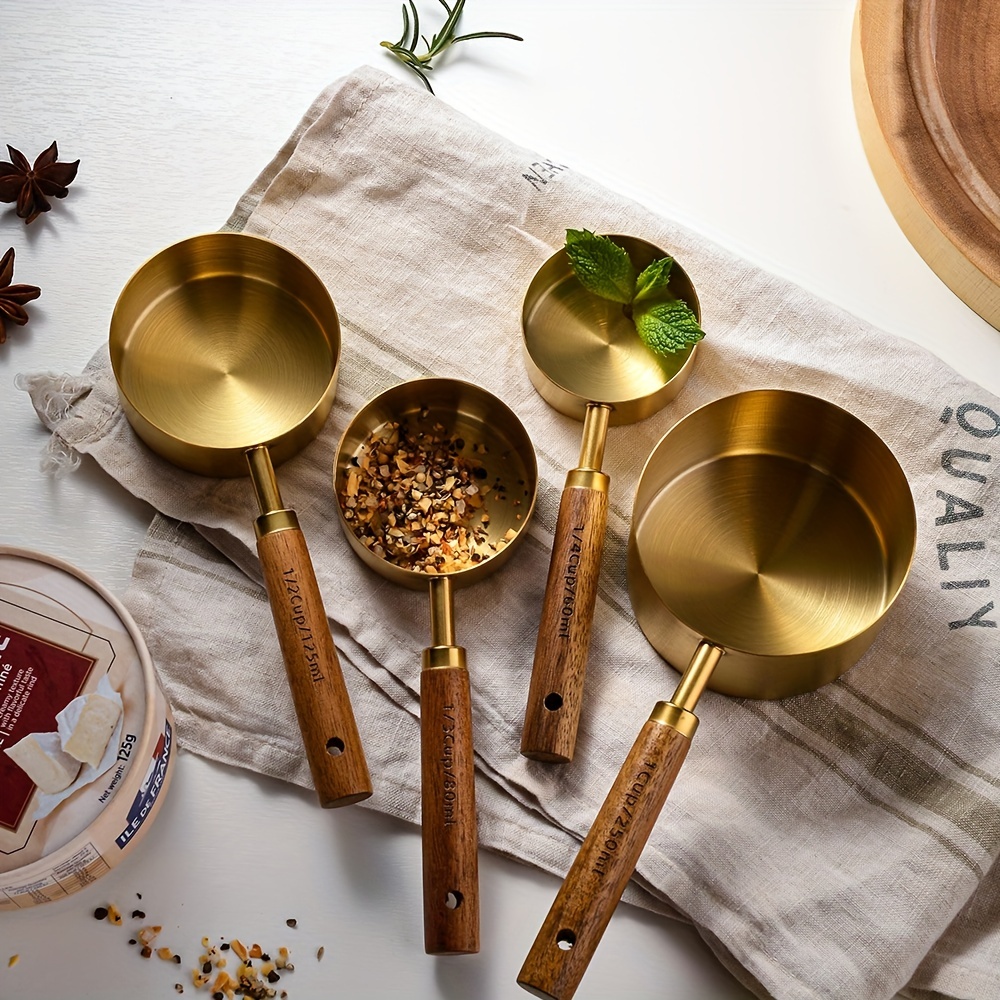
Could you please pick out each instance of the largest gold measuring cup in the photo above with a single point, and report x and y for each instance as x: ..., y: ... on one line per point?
x: 771, y: 533
x: 226, y: 348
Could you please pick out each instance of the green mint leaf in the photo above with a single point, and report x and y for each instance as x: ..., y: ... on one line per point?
x: 653, y: 279
x: 666, y: 326
x: 602, y: 267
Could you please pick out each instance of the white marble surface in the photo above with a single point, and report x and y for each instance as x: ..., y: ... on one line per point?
x: 733, y: 116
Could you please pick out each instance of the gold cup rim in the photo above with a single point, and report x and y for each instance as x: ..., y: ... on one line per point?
x: 842, y: 447
x: 579, y: 349
x: 473, y: 407
x: 200, y: 439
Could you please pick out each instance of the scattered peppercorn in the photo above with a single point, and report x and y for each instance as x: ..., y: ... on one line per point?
x: 101, y: 913
x: 138, y: 915
x: 292, y: 922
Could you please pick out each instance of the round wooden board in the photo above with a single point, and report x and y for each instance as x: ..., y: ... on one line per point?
x: 926, y: 82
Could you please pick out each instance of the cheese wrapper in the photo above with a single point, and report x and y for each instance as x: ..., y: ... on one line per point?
x: 42, y: 758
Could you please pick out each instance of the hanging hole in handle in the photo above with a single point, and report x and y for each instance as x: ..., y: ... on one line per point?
x: 553, y: 702
x: 335, y: 746
x: 453, y: 900
x: 565, y: 939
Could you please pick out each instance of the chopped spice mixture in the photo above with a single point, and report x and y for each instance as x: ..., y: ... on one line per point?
x: 256, y: 976
x: 414, y: 498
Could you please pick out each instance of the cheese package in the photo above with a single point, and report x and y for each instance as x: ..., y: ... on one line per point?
x: 43, y: 760
x: 75, y: 675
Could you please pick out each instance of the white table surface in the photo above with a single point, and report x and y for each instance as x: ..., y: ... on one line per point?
x: 733, y: 116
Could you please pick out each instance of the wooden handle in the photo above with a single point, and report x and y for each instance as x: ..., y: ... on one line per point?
x: 448, y: 800
x: 588, y: 897
x: 329, y: 732
x: 555, y: 695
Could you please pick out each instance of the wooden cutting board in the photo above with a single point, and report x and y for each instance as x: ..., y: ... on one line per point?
x: 926, y: 81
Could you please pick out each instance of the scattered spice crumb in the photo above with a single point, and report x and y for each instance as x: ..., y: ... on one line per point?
x: 12, y: 961
x: 209, y: 974
x: 292, y: 922
x: 320, y: 953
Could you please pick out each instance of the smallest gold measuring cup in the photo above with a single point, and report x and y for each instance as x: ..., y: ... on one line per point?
x: 435, y: 481
x: 585, y: 359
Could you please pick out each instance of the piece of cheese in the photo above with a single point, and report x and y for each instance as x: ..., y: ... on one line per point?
x: 89, y: 732
x: 43, y: 759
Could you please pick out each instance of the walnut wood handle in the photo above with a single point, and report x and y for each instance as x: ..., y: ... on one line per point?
x: 555, y: 695
x: 326, y: 720
x: 588, y: 897
x: 448, y: 804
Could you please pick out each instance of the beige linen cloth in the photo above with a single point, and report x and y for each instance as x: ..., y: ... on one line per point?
x: 841, y: 844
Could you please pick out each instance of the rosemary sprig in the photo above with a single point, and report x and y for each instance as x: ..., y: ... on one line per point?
x: 405, y: 50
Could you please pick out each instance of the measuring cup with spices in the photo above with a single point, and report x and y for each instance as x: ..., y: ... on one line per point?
x: 225, y: 348
x: 584, y: 358
x: 771, y: 533
x: 435, y: 481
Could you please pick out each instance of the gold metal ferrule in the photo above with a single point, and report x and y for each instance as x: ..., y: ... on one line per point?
x: 443, y: 657
x: 678, y: 713
x: 681, y: 719
x: 275, y: 520
x: 588, y: 479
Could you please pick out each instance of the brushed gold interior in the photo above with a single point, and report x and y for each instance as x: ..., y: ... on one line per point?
x: 580, y: 348
x: 478, y: 418
x: 223, y: 342
x: 777, y: 526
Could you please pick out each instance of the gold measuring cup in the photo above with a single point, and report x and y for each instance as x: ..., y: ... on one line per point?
x: 771, y: 533
x: 585, y: 358
x: 490, y: 438
x: 225, y: 348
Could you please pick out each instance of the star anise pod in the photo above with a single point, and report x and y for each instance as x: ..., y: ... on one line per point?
x: 13, y: 297
x: 32, y: 186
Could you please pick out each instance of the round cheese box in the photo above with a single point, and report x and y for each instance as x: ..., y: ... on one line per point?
x: 86, y: 735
